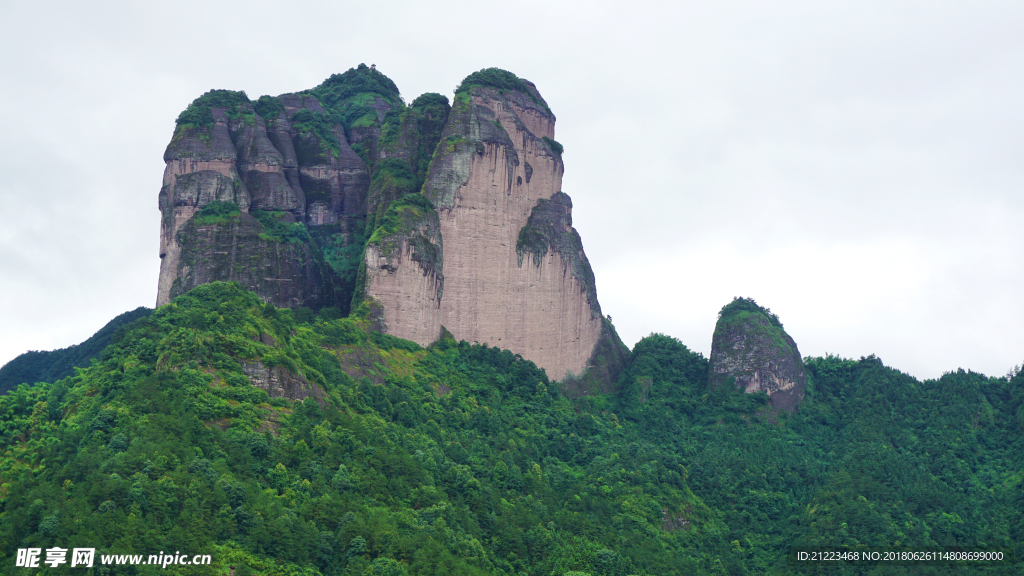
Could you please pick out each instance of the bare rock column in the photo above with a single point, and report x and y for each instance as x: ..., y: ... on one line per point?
x: 495, y: 179
x: 751, y: 350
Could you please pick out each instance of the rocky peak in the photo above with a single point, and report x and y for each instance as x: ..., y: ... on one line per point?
x: 437, y: 216
x: 514, y: 272
x: 752, y: 351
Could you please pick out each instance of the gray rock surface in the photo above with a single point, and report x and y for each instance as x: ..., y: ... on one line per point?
x: 752, y: 351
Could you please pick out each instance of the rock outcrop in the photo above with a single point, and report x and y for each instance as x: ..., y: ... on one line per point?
x: 436, y: 216
x: 510, y: 270
x: 751, y: 350
x: 279, y: 382
x: 285, y: 165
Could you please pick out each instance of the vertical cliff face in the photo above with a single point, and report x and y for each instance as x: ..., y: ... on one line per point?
x: 752, y: 351
x: 485, y: 197
x: 286, y: 165
x: 438, y: 215
x: 514, y: 272
x: 201, y: 168
x: 269, y: 255
x: 224, y: 157
x: 404, y: 260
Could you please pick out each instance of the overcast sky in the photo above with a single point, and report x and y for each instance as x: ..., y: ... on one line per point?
x: 857, y: 167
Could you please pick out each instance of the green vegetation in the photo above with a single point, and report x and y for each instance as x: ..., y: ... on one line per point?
x: 268, y: 107
x: 345, y: 255
x: 463, y: 459
x: 304, y: 121
x: 276, y: 227
x: 216, y: 212
x: 394, y: 174
x: 400, y: 214
x: 198, y: 112
x: 355, y: 81
x: 431, y: 100
x: 461, y: 101
x: 343, y: 252
x: 425, y: 119
x: 742, y: 307
x: 873, y: 457
x: 554, y: 145
x: 458, y: 459
x: 350, y: 97
x: 494, y: 78
x: 532, y: 239
x: 50, y: 366
x: 410, y: 219
x: 357, y: 112
x: 501, y: 80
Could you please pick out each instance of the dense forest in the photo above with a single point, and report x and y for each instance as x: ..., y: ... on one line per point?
x: 52, y: 365
x: 385, y: 458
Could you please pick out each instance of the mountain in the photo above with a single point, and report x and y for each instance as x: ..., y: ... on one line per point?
x: 50, y: 366
x: 442, y: 218
x: 226, y: 426
x: 306, y: 418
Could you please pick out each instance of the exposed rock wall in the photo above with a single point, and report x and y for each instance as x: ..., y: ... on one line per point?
x: 289, y: 274
x: 491, y: 172
x: 438, y: 216
x: 279, y: 382
x: 272, y: 165
x: 201, y: 168
x: 536, y: 308
x: 404, y: 262
x: 751, y: 349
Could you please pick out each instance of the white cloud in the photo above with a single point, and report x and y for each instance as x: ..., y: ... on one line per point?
x: 854, y: 167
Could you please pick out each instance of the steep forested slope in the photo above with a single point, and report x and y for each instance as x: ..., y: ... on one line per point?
x: 223, y: 426
x: 458, y: 459
x: 52, y: 365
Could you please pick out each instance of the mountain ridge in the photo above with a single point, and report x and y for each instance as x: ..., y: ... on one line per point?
x: 223, y: 425
x: 49, y: 366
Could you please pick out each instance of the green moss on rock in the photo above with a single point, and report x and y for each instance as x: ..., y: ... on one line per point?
x: 279, y: 226
x: 412, y: 222
x: 554, y: 145
x: 412, y: 219
x: 216, y: 212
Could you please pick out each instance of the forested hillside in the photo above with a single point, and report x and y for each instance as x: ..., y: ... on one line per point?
x: 372, y: 455
x: 52, y: 365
